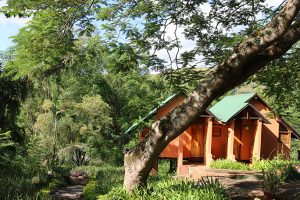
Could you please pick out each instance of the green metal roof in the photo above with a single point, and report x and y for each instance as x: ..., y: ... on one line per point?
x: 153, y: 112
x: 230, y: 106
x: 223, y: 111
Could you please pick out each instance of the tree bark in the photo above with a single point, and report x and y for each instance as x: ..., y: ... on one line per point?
x: 248, y: 57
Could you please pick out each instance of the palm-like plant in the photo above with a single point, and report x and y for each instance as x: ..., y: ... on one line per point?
x: 80, y: 158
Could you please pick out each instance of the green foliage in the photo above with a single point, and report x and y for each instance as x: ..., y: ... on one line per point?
x: 80, y: 157
x: 276, y: 163
x: 41, y: 46
x: 54, y: 184
x: 15, y: 185
x: 91, y: 170
x: 12, y: 93
x: 170, y: 188
x: 113, y: 177
x: 93, y: 112
x: 272, y: 179
x: 102, y: 179
x: 295, y: 147
x: 90, y: 191
x: 6, y: 146
x: 291, y: 173
x: 228, y: 164
x: 61, y: 174
x: 107, y: 183
x: 17, y: 182
x: 282, y: 93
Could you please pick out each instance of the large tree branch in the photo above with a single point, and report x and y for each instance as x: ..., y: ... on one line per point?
x: 265, y: 37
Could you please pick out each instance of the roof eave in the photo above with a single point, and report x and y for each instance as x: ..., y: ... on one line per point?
x: 214, y: 116
x: 153, y: 112
x: 294, y: 131
x: 265, y: 120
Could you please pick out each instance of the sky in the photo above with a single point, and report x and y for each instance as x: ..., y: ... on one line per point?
x: 10, y: 27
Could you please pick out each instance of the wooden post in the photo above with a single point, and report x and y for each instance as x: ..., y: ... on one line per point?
x: 180, y: 154
x: 257, y: 141
x: 230, y: 141
x: 208, y: 155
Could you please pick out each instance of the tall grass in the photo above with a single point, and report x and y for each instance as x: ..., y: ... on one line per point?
x: 257, y: 165
x: 228, y: 164
x: 17, y: 186
x: 278, y: 162
x: 169, y: 188
x: 107, y: 183
x: 102, y: 179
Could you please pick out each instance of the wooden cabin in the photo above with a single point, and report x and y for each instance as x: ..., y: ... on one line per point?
x: 239, y: 127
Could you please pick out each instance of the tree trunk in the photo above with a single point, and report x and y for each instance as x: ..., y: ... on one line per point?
x: 247, y: 58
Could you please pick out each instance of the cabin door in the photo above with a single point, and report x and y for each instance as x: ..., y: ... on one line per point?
x: 243, y: 141
x: 237, y: 140
x: 197, y: 146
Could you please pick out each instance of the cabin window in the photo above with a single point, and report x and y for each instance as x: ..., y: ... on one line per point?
x: 284, y: 137
x: 282, y: 128
x: 216, y: 132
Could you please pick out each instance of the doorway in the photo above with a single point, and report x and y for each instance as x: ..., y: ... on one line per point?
x: 197, y: 142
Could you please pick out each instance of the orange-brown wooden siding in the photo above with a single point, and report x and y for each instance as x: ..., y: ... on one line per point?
x: 270, y: 146
x: 219, y: 143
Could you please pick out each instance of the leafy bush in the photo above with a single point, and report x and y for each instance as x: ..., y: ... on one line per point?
x: 103, y: 179
x: 291, y: 173
x: 61, y: 170
x: 277, y: 163
x: 80, y: 158
x: 271, y: 180
x: 90, y: 191
x: 228, y: 164
x: 91, y: 170
x: 295, y: 147
x: 205, y: 189
x: 54, y: 183
x: 16, y: 185
x: 113, y: 176
x: 107, y: 183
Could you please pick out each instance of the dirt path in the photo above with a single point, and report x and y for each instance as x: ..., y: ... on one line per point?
x: 73, y: 191
x: 70, y: 192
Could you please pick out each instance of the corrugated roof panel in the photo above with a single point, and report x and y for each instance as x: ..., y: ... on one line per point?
x: 229, y: 106
x: 153, y: 112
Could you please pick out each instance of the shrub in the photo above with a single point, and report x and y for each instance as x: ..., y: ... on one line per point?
x: 91, y: 170
x: 55, y: 183
x: 113, y: 177
x: 80, y: 158
x: 228, y: 164
x: 90, y: 191
x: 277, y: 163
x: 291, y: 173
x: 16, y: 185
x: 295, y: 147
x: 271, y: 180
x: 44, y: 193
x: 102, y: 179
x: 205, y: 189
x: 61, y: 172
